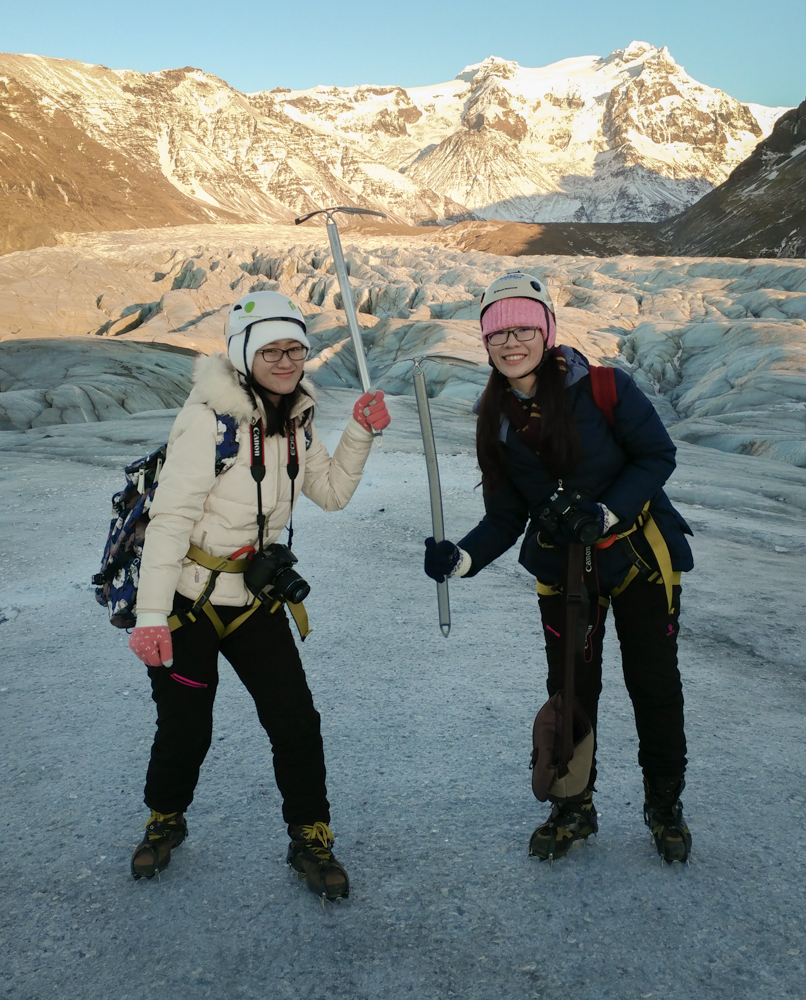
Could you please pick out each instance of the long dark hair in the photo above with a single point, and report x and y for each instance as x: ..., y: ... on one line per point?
x: 278, y: 418
x: 559, y: 445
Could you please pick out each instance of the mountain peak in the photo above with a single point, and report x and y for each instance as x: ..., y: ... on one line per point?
x: 491, y: 66
x: 637, y: 51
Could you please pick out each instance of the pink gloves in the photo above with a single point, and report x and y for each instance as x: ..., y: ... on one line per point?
x: 151, y: 640
x: 370, y: 411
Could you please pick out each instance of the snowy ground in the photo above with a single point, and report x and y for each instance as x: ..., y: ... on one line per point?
x: 428, y: 743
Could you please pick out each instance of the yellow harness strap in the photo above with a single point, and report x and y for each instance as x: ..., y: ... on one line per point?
x: 632, y: 573
x: 222, y: 629
x: 547, y: 590
x: 658, y: 545
x: 298, y: 613
x: 218, y: 564
x: 300, y: 616
x: 666, y: 575
x: 223, y: 564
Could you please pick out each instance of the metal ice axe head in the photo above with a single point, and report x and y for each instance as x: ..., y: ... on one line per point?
x: 346, y: 291
x: 347, y: 211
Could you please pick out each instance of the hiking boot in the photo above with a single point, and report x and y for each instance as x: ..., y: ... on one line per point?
x: 164, y: 831
x: 663, y: 814
x: 571, y: 820
x: 309, y: 854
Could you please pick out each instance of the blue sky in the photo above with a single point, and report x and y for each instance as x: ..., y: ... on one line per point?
x: 753, y: 52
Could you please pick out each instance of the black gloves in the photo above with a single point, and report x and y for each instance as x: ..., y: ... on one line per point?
x: 440, y: 559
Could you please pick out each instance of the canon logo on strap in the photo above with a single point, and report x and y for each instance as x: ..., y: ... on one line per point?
x: 258, y: 467
x: 257, y: 441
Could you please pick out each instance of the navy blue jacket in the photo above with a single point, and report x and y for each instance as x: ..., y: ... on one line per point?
x: 622, y: 466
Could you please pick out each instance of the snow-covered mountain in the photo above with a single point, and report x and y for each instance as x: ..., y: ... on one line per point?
x: 88, y: 148
x: 626, y: 137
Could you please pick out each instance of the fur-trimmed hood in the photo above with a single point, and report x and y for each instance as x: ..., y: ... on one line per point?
x: 217, y: 384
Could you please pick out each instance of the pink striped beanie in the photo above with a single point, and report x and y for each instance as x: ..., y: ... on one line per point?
x: 506, y: 313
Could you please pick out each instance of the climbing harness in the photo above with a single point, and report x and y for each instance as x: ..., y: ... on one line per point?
x: 234, y: 563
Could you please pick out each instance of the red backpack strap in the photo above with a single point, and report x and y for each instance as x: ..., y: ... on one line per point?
x: 603, y: 384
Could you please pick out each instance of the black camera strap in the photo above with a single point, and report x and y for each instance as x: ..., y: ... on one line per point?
x: 258, y: 470
x: 292, y: 468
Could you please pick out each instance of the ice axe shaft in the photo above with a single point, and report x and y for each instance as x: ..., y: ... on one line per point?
x: 346, y: 291
x: 437, y: 521
x: 576, y: 619
x: 349, y: 304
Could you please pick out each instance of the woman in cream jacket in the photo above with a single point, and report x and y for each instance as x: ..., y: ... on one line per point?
x: 212, y: 493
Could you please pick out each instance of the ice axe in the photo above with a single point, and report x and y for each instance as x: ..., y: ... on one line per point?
x: 437, y: 522
x: 346, y: 291
x: 562, y: 736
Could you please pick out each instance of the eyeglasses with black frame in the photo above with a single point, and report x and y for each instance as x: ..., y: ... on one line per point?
x: 271, y: 355
x: 520, y: 333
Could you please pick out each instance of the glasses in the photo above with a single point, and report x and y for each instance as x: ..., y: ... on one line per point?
x: 272, y: 355
x: 519, y: 333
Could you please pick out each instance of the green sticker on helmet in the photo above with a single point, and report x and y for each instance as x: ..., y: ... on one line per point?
x: 249, y: 307
x: 291, y: 305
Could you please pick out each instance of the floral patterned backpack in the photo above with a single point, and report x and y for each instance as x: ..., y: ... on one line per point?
x: 116, y: 583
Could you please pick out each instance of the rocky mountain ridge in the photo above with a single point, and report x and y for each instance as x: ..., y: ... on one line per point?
x: 760, y: 210
x: 630, y: 136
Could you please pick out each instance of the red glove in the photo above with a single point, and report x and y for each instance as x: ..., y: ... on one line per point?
x: 370, y: 411
x: 151, y: 641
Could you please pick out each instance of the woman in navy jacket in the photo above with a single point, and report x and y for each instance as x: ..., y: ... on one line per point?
x: 541, y: 435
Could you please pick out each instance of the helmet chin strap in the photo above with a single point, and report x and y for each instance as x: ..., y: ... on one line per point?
x: 246, y: 368
x: 542, y: 360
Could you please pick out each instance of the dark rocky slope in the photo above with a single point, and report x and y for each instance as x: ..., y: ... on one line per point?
x: 760, y: 210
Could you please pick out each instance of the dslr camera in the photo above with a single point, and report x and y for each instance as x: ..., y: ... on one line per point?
x: 270, y: 574
x: 563, y: 509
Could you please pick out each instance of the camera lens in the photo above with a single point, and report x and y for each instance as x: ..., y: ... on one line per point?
x: 587, y: 530
x: 291, y: 586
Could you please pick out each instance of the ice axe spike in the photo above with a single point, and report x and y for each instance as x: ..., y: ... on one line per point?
x: 437, y: 522
x: 346, y: 291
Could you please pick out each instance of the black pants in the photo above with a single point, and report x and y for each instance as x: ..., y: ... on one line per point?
x: 263, y: 654
x: 648, y: 637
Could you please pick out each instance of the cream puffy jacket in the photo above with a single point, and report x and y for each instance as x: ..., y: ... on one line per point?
x: 219, y: 513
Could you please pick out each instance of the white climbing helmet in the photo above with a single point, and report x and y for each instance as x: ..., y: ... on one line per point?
x: 260, y: 319
x: 516, y: 285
